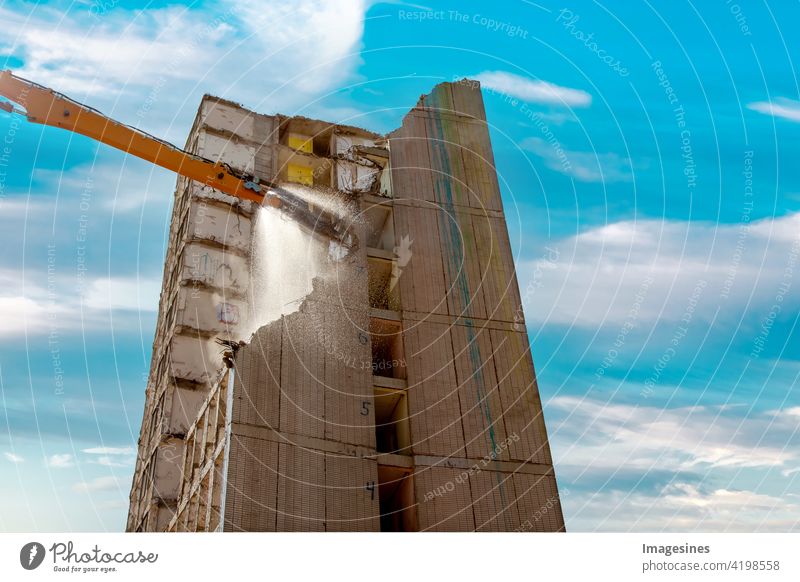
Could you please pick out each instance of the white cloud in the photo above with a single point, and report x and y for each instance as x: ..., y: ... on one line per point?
x: 63, y: 461
x: 13, y: 458
x: 557, y: 117
x: 781, y: 107
x: 109, y: 451
x: 607, y: 436
x: 116, y: 183
x: 114, y: 461
x: 20, y: 209
x: 533, y: 90
x: 583, y: 166
x: 785, y: 229
x: 301, y: 46
x: 20, y: 314
x: 652, y: 268
x: 794, y: 411
x: 127, y: 293
x: 682, y: 507
x: 101, y: 55
x: 26, y: 307
x: 151, y: 67
x: 112, y: 456
x: 647, y: 468
x: 109, y: 483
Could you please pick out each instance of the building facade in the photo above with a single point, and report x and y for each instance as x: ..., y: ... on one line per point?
x: 396, y: 392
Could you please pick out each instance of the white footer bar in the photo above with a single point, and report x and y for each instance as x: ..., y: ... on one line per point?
x: 332, y: 557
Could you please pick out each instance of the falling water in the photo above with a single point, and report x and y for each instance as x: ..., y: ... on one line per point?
x: 286, y: 259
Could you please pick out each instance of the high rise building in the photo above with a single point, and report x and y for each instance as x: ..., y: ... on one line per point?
x: 379, y: 382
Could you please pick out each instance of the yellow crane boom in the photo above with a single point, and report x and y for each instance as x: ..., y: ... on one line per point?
x: 47, y: 107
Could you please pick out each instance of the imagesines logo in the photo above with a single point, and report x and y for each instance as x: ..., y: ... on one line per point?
x: 31, y: 555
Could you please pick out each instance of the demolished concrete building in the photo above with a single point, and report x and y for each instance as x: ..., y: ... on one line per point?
x: 396, y: 392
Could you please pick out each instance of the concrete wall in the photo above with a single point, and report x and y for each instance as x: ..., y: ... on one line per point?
x: 302, y: 453
x: 426, y: 313
x: 204, y: 297
x: 479, y: 442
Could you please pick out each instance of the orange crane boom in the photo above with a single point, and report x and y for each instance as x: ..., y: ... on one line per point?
x: 47, y: 107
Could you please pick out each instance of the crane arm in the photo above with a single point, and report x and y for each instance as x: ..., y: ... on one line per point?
x: 47, y: 107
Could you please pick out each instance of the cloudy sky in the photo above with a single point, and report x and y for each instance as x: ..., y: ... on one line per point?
x: 648, y: 158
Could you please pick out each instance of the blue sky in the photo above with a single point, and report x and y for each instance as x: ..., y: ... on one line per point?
x: 647, y: 154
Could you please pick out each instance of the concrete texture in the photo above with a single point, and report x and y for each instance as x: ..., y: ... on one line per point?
x: 397, y: 393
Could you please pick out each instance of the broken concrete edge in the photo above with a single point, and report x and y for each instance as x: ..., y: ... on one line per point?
x: 282, y: 117
x: 429, y: 102
x: 229, y: 356
x: 425, y: 102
